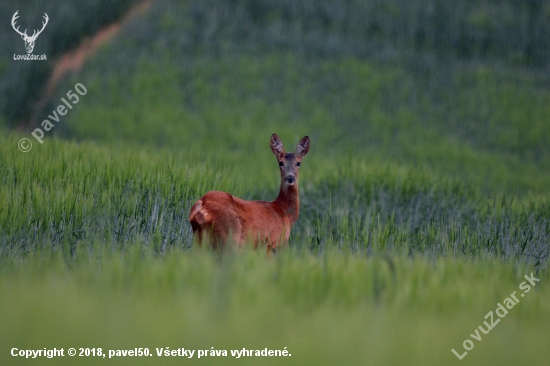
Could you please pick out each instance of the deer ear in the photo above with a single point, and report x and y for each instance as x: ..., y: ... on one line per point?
x: 276, y: 145
x: 303, y: 147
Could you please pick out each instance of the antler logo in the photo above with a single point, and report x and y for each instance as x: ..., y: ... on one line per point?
x: 29, y: 40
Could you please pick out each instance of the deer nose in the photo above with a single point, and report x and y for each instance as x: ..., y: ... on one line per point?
x: 290, y: 179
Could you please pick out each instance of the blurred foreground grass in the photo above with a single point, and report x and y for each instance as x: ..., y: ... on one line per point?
x: 335, y: 308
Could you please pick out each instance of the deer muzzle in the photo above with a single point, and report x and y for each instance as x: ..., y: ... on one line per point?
x: 290, y: 179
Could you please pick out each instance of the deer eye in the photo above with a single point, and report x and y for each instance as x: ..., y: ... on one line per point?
x: 298, y: 164
x: 281, y: 163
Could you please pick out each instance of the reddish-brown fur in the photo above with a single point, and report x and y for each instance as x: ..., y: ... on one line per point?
x: 219, y: 217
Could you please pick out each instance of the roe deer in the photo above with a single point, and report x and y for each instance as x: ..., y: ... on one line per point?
x: 220, y: 217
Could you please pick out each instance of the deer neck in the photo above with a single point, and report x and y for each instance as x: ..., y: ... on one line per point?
x: 289, y: 200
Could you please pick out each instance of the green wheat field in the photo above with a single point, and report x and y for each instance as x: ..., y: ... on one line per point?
x: 425, y: 200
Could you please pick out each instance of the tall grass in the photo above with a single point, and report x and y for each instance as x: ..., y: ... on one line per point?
x: 62, y: 195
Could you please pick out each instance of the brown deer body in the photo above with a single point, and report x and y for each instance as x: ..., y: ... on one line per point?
x: 220, y: 218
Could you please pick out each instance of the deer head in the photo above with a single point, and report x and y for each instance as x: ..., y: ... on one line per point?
x: 289, y: 163
x: 29, y: 40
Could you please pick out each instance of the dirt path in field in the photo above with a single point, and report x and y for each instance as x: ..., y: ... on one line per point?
x: 72, y: 61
